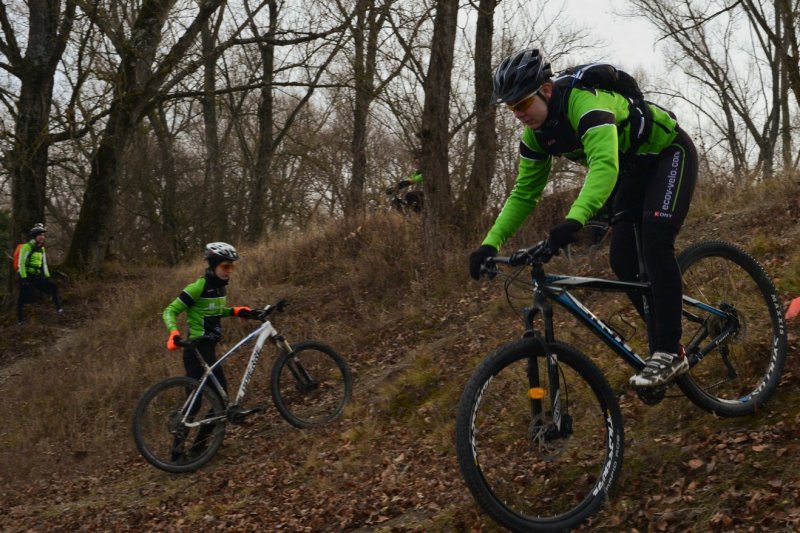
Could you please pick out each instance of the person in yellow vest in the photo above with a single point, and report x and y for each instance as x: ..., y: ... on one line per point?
x: 32, y: 271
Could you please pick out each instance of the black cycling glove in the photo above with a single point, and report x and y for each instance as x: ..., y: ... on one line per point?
x: 563, y: 235
x: 477, y: 258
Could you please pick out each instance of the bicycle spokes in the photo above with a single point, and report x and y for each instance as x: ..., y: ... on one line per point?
x: 736, y: 341
x: 310, y: 384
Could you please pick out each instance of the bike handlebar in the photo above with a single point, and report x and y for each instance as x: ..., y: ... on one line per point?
x: 538, y: 254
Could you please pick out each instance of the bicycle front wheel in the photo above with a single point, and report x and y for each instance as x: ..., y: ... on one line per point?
x: 737, y: 303
x: 523, y: 470
x: 162, y: 437
x: 311, y: 385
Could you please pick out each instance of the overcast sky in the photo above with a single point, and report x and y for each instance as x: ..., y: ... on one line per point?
x: 631, y: 41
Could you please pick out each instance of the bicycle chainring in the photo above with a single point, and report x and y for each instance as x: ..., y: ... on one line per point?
x: 651, y: 395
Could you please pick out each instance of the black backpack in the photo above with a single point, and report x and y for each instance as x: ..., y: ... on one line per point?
x: 601, y: 76
x: 606, y: 77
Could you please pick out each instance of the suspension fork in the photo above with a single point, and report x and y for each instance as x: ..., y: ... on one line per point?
x: 304, y: 380
x: 542, y: 306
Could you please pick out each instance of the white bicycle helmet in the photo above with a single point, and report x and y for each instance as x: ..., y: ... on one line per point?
x: 216, y: 252
x: 37, y: 229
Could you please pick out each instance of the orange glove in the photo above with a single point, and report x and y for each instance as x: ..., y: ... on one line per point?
x: 174, y: 338
x: 244, y: 312
x: 794, y: 309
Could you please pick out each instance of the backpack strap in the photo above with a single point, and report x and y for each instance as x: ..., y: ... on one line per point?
x: 640, y: 117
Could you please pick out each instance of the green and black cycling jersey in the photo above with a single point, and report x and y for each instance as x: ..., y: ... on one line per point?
x: 204, y: 303
x: 591, y: 127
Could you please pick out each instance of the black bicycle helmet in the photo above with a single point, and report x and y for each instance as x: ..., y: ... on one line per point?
x: 37, y: 229
x: 217, y: 252
x: 519, y: 75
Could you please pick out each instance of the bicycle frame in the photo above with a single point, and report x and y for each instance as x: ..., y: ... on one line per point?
x: 265, y: 331
x: 555, y: 288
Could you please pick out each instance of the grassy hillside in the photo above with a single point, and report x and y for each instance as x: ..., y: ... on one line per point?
x: 412, y: 327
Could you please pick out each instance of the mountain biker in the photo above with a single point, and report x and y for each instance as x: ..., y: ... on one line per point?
x: 656, y: 179
x: 204, y: 302
x: 413, y: 198
x: 32, y: 271
x: 414, y: 179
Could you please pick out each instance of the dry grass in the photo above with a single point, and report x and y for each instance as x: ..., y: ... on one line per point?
x: 412, y: 329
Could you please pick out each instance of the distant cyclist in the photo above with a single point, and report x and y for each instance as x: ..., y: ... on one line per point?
x: 412, y: 198
x: 655, y: 179
x: 32, y: 271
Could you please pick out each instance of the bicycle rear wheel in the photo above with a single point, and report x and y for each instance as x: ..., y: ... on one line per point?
x: 311, y: 385
x: 160, y: 436
x: 526, y: 477
x: 736, y: 377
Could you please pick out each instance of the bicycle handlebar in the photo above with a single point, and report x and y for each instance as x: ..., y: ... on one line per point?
x: 537, y: 254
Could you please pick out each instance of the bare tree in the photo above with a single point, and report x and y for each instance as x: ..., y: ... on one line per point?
x: 734, y: 102
x: 49, y: 26
x: 434, y: 133
x: 141, y: 76
x: 216, y: 206
x: 268, y: 138
x: 472, y: 202
x: 786, y: 41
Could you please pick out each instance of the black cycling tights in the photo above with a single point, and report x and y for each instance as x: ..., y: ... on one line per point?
x: 26, y: 293
x: 658, y: 247
x: 193, y: 367
x: 659, y: 193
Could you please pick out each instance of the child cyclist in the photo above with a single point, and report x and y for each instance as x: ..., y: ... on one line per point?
x: 204, y: 303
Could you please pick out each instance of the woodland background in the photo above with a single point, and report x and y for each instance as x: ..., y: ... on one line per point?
x: 138, y: 131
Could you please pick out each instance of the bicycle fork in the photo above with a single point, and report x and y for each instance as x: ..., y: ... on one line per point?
x: 303, y: 380
x: 560, y: 425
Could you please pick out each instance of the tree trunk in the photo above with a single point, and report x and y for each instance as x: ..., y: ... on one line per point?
x: 169, y: 174
x: 266, y: 149
x: 365, y: 35
x: 29, y: 156
x: 215, y: 209
x: 139, y: 79
x: 473, y: 200
x: 434, y: 133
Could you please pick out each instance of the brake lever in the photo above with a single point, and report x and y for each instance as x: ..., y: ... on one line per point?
x: 490, y: 269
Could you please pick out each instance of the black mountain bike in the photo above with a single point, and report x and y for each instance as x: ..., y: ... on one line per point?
x: 179, y: 424
x: 405, y: 202
x: 539, y: 433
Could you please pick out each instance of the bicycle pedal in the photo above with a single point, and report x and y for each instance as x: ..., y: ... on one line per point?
x: 236, y: 415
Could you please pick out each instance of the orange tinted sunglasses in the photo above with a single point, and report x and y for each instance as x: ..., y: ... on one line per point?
x: 227, y: 267
x: 524, y: 104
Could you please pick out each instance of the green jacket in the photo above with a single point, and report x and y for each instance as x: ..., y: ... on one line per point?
x: 415, y: 178
x: 595, y: 133
x: 204, y: 303
x: 32, y: 260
